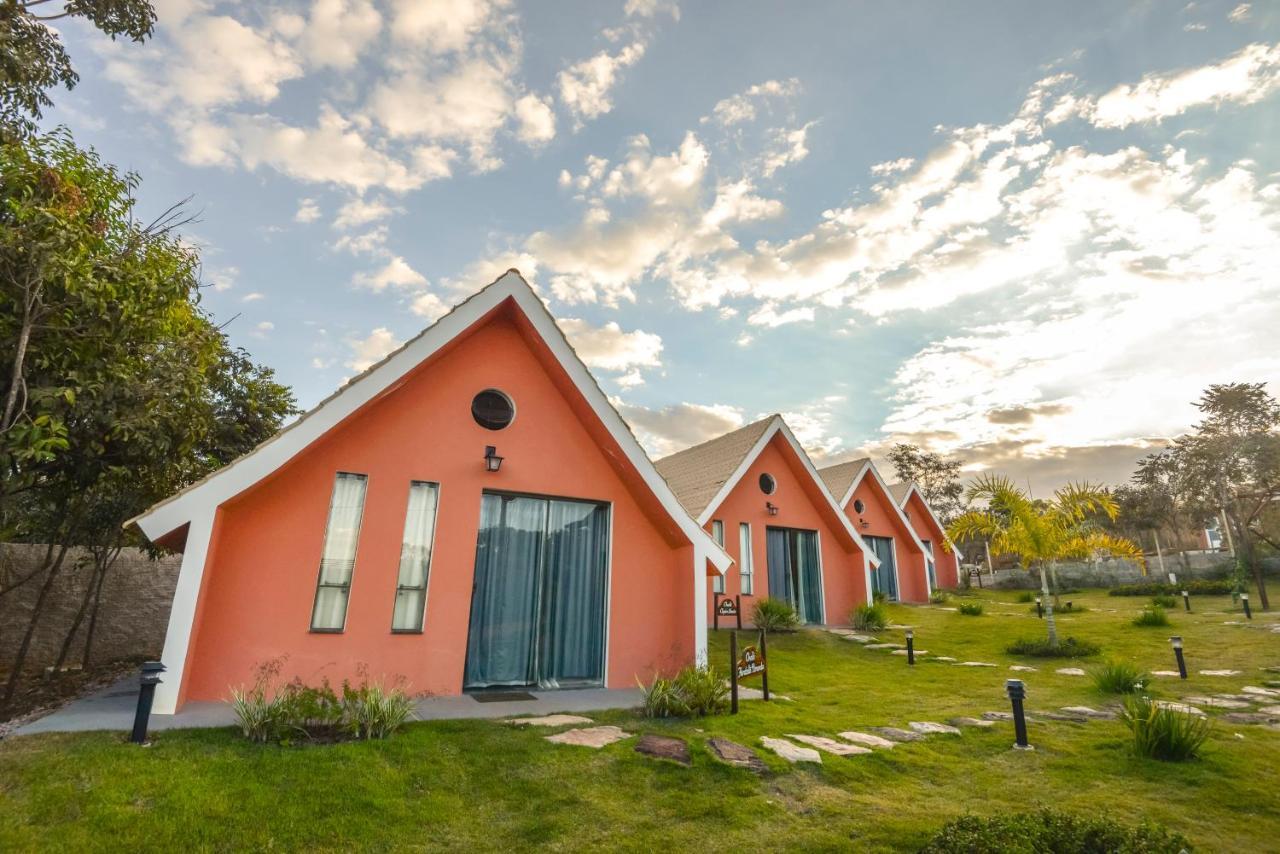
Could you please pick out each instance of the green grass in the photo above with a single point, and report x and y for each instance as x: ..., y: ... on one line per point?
x: 478, y: 785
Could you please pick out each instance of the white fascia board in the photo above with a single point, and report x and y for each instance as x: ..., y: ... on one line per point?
x: 206, y: 496
x: 912, y: 490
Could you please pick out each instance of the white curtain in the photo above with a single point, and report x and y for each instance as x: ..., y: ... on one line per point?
x: 415, y: 557
x: 717, y: 533
x: 339, y: 558
x: 746, y: 572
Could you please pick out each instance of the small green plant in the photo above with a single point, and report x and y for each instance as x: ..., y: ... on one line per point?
x: 1164, y: 601
x: 970, y: 609
x: 774, y: 615
x: 939, y: 597
x: 1025, y: 597
x: 1052, y: 831
x: 1151, y: 616
x: 1160, y: 732
x: 1117, y: 677
x: 870, y: 618
x: 694, y: 692
x: 260, y: 713
x: 1041, y: 648
x: 370, y: 710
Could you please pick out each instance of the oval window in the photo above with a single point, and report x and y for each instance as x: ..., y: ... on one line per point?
x: 492, y: 409
x: 767, y: 484
x: 858, y: 506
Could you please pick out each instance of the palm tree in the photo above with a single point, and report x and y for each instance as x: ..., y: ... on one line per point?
x: 1041, y: 533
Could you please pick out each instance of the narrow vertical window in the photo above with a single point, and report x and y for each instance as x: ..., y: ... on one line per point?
x: 746, y: 570
x: 415, y: 557
x: 338, y: 561
x: 717, y: 533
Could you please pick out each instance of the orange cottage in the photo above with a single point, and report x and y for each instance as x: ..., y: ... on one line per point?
x: 469, y: 513
x: 759, y: 495
x: 943, y: 554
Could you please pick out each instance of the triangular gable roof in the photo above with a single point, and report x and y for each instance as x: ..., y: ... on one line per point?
x: 843, y: 477
x: 838, y: 474
x: 902, y: 493
x: 251, y: 468
x: 705, y: 474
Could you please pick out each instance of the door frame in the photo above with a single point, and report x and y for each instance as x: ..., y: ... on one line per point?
x: 822, y: 579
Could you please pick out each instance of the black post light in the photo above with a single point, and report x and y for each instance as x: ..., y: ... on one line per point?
x: 1244, y: 600
x: 151, y: 671
x: 1176, y: 640
x: 1186, y: 600
x: 492, y: 462
x: 1039, y: 607
x: 911, y: 647
x: 1017, y: 693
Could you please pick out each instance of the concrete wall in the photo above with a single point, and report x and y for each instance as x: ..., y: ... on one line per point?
x: 1115, y: 573
x: 131, y: 621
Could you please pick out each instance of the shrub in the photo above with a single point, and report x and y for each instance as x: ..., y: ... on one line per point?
x: 970, y: 609
x: 870, y: 618
x: 879, y: 597
x: 371, y: 711
x: 1202, y: 587
x: 695, y: 691
x: 1160, y: 732
x: 775, y: 615
x: 1116, y: 677
x: 1164, y: 601
x: 1052, y: 832
x: 1153, y: 615
x: 1067, y: 608
x: 938, y: 597
x: 1024, y: 597
x: 260, y: 713
x: 1041, y: 648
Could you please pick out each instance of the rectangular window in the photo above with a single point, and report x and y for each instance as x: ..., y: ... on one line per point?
x: 338, y: 561
x: 746, y: 568
x: 415, y: 557
x: 717, y: 533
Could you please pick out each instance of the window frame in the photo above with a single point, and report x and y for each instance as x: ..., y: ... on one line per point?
x: 426, y: 575
x: 717, y: 534
x: 320, y: 582
x: 746, y: 561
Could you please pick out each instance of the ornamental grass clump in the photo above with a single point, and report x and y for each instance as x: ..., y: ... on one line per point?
x: 370, y: 710
x: 694, y: 692
x: 1161, y: 732
x: 774, y: 615
x: 970, y: 609
x: 1152, y: 616
x: 1043, y: 648
x: 1025, y: 597
x: 1117, y: 677
x: 938, y: 597
x: 1164, y: 601
x: 870, y: 618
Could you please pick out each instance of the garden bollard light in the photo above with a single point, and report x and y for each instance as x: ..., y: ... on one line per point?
x: 151, y: 671
x: 911, y: 647
x: 1176, y: 640
x: 1186, y: 600
x: 1017, y: 692
x: 1244, y: 600
x: 1039, y: 608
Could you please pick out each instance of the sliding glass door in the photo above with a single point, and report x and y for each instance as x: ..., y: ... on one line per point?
x: 538, y: 599
x: 885, y: 579
x: 794, y: 571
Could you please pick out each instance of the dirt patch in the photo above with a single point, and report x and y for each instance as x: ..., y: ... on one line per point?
x: 42, y: 693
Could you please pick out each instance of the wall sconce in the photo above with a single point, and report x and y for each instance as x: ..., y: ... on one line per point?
x: 771, y: 507
x: 864, y: 523
x: 492, y: 462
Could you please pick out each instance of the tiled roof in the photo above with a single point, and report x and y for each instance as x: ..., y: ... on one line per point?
x: 899, y: 491
x: 839, y: 478
x: 696, y: 474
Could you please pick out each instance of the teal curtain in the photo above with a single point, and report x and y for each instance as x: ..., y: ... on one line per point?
x: 779, y: 558
x: 504, y: 601
x: 573, y: 594
x: 885, y: 579
x: 809, y: 575
x: 794, y: 574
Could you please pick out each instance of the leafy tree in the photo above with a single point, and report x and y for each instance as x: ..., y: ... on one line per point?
x: 1040, y: 533
x: 33, y: 60
x: 937, y: 478
x: 1149, y: 502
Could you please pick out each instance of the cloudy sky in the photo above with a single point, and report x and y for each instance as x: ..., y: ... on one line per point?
x: 1026, y: 234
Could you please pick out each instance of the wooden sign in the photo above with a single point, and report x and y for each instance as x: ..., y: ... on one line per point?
x: 751, y: 663
x: 727, y: 606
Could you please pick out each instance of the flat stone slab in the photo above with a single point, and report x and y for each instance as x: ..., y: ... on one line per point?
x: 1219, y: 672
x: 1248, y: 718
x: 943, y: 658
x: 664, y: 747
x: 1261, y: 692
x: 1089, y: 713
x: 884, y: 646
x: 746, y: 692
x: 735, y: 754
x: 848, y: 634
x: 793, y: 753
x: 830, y: 745
x: 596, y: 736
x: 1022, y: 668
x: 973, y: 664
x: 918, y: 652
x: 1179, y: 707
x: 866, y: 740
x: 549, y: 720
x: 931, y: 728
x: 1062, y: 716
x: 1217, y: 702
x: 997, y: 716
x: 894, y: 734
x: 1274, y: 711
x: 1166, y: 673
x: 1070, y: 671
x: 1244, y: 698
x: 978, y: 722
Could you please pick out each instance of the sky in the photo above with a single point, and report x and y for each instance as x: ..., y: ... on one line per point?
x: 1025, y: 235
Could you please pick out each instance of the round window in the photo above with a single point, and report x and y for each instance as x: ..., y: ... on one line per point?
x: 858, y: 506
x: 767, y: 484
x: 492, y: 409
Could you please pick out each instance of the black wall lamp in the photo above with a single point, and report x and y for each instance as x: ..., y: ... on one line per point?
x: 492, y: 462
x: 771, y: 507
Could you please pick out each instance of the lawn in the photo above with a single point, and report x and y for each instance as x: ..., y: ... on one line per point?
x: 480, y: 785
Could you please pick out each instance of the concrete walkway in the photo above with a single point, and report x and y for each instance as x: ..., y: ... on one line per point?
x: 112, y: 709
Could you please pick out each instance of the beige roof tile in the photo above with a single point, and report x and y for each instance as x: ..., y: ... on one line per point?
x: 839, y: 478
x: 696, y: 474
x: 899, y: 491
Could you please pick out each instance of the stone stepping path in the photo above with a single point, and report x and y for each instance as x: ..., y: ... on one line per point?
x: 884, y: 646
x: 1219, y: 672
x: 931, y: 728
x: 1270, y: 710
x: 918, y: 652
x: 664, y: 747
x: 1096, y: 714
x: 830, y: 745
x: 1165, y: 673
x: 1217, y: 702
x: 1063, y: 716
x: 793, y: 753
x: 894, y: 734
x: 973, y: 722
x: 973, y: 664
x: 549, y: 720
x: 1022, y: 668
x: 866, y: 740
x: 1179, y: 707
x: 1070, y: 671
x: 1250, y: 718
x: 1261, y: 692
x: 737, y: 755
x: 596, y: 736
x: 943, y: 658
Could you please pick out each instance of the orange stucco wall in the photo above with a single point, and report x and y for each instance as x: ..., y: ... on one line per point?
x: 881, y: 520
x: 799, y: 506
x: 261, y: 577
x: 946, y: 564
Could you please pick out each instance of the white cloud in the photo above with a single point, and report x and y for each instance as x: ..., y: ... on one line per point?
x: 337, y: 32
x: 308, y: 211
x: 609, y: 348
x: 1240, y: 13
x: 371, y: 242
x: 357, y: 212
x: 371, y: 349
x: 253, y: 297
x: 668, y: 429
x: 442, y: 26
x: 222, y: 278
x: 396, y: 273
x: 789, y: 146
x: 770, y: 316
x: 742, y: 108
x: 652, y: 8
x: 537, y: 120
x: 586, y: 86
x: 430, y: 306
x: 263, y: 329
